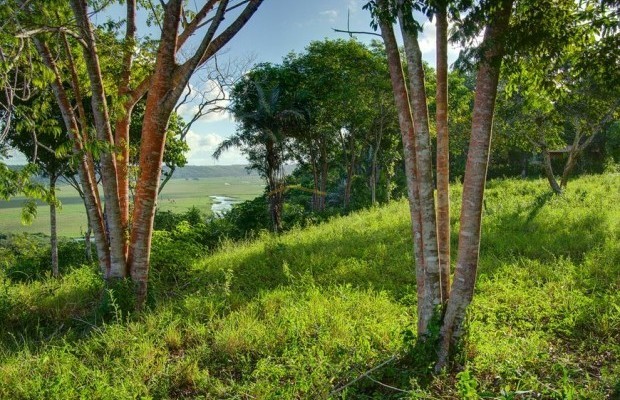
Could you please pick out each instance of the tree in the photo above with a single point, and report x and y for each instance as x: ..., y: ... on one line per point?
x: 413, y: 117
x: 268, y: 111
x: 37, y: 133
x: 123, y: 249
x: 564, y: 94
x: 345, y: 85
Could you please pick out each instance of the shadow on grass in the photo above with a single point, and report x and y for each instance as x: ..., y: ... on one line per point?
x: 375, y: 258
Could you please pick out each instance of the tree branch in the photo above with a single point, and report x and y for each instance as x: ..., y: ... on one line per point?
x: 362, y: 376
x: 356, y: 32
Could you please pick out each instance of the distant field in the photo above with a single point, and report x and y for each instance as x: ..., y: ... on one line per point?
x: 177, y: 196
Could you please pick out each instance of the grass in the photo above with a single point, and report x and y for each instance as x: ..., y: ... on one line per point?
x: 297, y: 316
x: 178, y: 196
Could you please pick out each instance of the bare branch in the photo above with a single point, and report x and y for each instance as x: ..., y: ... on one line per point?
x: 356, y: 32
x: 362, y: 376
x: 51, y: 29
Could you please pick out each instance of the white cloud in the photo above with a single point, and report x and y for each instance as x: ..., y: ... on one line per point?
x: 427, y: 41
x: 330, y: 15
x: 355, y: 5
x: 202, y: 146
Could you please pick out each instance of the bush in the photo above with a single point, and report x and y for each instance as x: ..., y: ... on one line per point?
x: 27, y: 257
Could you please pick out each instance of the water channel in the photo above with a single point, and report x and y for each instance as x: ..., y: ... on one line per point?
x: 222, y: 204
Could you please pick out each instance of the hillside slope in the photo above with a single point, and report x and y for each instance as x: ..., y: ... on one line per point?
x: 304, y: 314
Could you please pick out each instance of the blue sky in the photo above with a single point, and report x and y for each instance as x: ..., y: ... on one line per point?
x: 277, y: 28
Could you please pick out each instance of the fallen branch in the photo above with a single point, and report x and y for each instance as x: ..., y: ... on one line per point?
x: 362, y: 376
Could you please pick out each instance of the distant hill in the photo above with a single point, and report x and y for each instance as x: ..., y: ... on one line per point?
x: 201, y: 171
x: 218, y: 171
x: 212, y: 171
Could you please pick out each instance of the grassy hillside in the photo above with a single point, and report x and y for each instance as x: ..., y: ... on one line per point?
x: 178, y: 195
x: 301, y: 315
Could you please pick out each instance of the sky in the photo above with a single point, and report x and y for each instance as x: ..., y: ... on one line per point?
x: 276, y: 29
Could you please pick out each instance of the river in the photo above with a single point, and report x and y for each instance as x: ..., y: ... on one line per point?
x: 222, y: 204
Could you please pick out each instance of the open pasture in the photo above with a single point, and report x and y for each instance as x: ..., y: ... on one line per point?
x: 178, y: 195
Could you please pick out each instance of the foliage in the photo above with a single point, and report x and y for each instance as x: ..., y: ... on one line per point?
x: 301, y: 314
x: 26, y: 258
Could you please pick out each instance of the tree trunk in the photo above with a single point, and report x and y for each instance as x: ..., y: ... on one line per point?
x: 53, y: 227
x: 474, y: 181
x: 121, y: 132
x: 373, y: 178
x: 568, y: 168
x: 116, y: 233
x: 548, y: 169
x: 87, y: 244
x: 121, y: 139
x: 349, y: 183
x: 423, y: 159
x: 405, y: 120
x: 315, y: 177
x: 166, y: 179
x: 389, y: 174
x: 273, y: 183
x: 443, y: 155
x: 85, y: 168
x: 324, y: 174
x: 159, y: 106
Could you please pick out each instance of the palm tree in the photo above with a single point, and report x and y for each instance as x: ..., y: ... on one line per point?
x: 267, y: 110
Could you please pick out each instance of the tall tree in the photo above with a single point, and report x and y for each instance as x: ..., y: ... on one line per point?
x: 413, y: 116
x: 268, y: 110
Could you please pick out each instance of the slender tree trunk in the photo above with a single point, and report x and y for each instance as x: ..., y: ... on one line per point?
x: 53, y: 226
x: 116, y: 233
x: 548, y: 169
x: 374, y: 168
x: 389, y: 175
x: 121, y: 139
x: 350, y: 169
x: 373, y: 178
x: 87, y: 244
x: 405, y: 120
x: 568, y: 168
x: 158, y: 108
x: 166, y: 179
x: 324, y: 173
x: 121, y: 132
x: 315, y: 177
x: 443, y: 155
x: 275, y: 195
x: 474, y: 181
x: 85, y: 168
x: 423, y: 159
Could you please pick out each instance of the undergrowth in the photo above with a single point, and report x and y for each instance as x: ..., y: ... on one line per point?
x: 312, y: 314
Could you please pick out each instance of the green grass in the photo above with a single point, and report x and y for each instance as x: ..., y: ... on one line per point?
x: 296, y: 316
x: 178, y: 196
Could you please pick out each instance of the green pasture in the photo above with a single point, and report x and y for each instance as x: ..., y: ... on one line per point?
x: 177, y: 196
